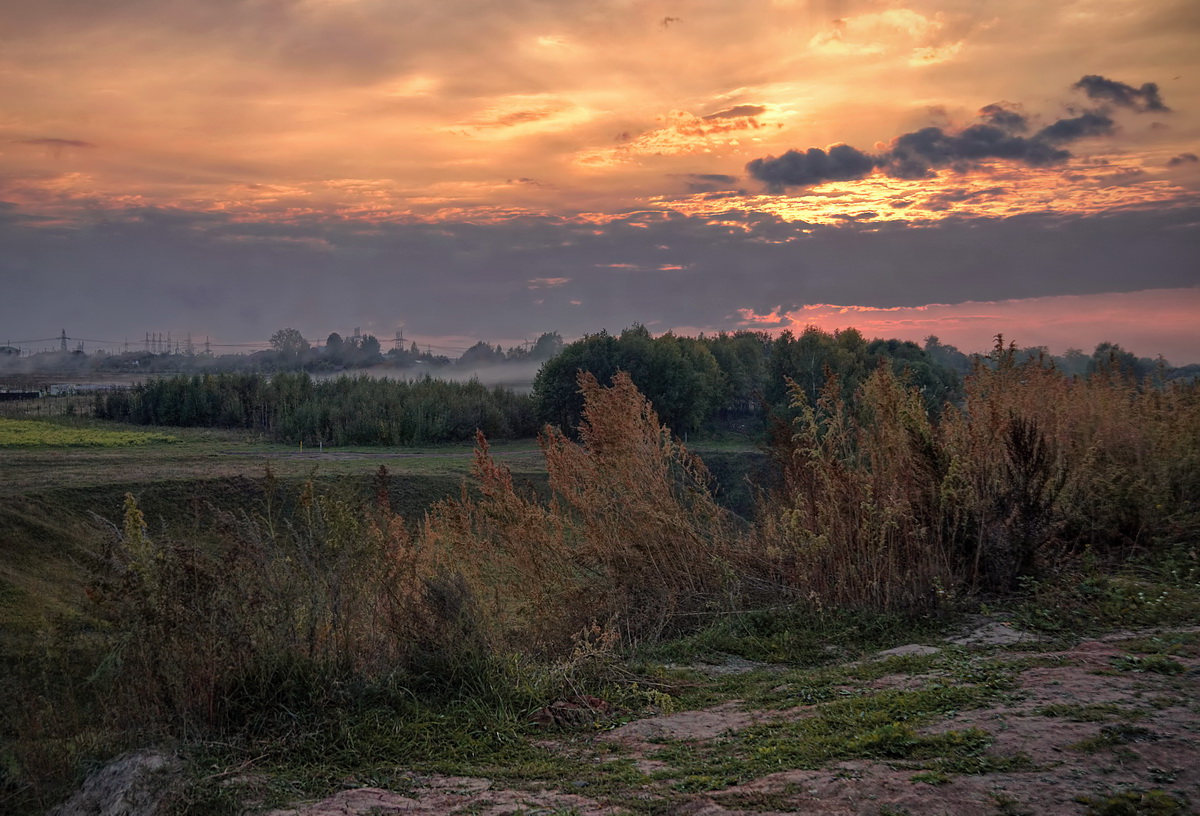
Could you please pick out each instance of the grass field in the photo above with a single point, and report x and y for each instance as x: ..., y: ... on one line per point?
x: 204, y: 454
x: 23, y: 433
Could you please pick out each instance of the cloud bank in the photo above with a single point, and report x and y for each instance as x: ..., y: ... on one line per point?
x: 915, y: 155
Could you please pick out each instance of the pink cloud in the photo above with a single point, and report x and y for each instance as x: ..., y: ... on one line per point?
x: 1148, y: 323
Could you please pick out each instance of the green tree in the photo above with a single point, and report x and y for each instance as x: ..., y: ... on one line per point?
x: 333, y: 346
x: 370, y: 349
x: 481, y: 354
x: 289, y: 343
x: 1110, y: 357
x: 556, y: 389
x: 1074, y: 362
x: 546, y: 346
x: 679, y: 376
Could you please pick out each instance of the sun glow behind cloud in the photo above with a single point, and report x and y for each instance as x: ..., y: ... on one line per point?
x: 1056, y: 322
x: 998, y: 191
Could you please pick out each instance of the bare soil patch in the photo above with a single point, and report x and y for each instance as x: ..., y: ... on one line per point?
x: 1098, y: 719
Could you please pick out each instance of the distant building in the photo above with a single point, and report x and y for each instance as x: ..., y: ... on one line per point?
x: 16, y: 352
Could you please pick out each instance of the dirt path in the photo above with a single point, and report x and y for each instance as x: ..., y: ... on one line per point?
x: 988, y: 723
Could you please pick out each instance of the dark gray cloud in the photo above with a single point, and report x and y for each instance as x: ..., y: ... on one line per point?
x: 242, y: 281
x: 797, y: 168
x: 1102, y: 89
x: 1003, y: 116
x: 917, y: 154
x: 1089, y: 123
x: 737, y: 112
x: 1182, y: 158
x: 721, y: 178
x: 939, y: 202
x: 705, y: 182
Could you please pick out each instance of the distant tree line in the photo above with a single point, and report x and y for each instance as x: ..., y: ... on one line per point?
x: 744, y: 382
x: 293, y: 407
x: 290, y: 351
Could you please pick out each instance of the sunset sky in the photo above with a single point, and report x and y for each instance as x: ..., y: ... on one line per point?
x: 466, y: 170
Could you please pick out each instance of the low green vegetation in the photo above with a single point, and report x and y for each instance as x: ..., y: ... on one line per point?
x: 1153, y: 802
x: 1089, y: 712
x: 1157, y: 663
x: 1114, y: 735
x: 21, y: 433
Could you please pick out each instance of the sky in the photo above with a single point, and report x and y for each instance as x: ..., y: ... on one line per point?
x: 468, y: 170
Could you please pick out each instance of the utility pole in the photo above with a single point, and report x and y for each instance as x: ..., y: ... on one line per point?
x: 64, y: 340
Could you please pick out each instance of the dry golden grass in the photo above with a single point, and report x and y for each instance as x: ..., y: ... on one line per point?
x: 632, y: 538
x: 880, y: 507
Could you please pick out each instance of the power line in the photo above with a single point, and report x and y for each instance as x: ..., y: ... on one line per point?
x: 158, y: 341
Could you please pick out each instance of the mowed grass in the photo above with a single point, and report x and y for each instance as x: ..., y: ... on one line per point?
x: 25, y: 433
x: 201, y: 454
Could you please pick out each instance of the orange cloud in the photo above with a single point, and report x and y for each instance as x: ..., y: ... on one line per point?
x: 540, y: 283
x: 683, y: 133
x: 996, y: 189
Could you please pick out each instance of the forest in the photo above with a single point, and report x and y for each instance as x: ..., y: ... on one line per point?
x: 736, y: 383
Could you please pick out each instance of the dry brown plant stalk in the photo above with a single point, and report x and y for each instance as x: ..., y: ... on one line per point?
x: 632, y: 536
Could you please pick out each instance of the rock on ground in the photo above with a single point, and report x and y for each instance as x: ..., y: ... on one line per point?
x: 135, y: 784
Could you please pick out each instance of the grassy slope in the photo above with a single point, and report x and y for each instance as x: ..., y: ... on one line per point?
x: 56, y: 503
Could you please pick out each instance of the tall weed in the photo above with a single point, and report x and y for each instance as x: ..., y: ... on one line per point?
x: 880, y: 506
x: 632, y: 537
x: 274, y: 614
x: 859, y: 519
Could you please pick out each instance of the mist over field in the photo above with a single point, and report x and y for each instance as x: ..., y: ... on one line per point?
x: 517, y: 376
